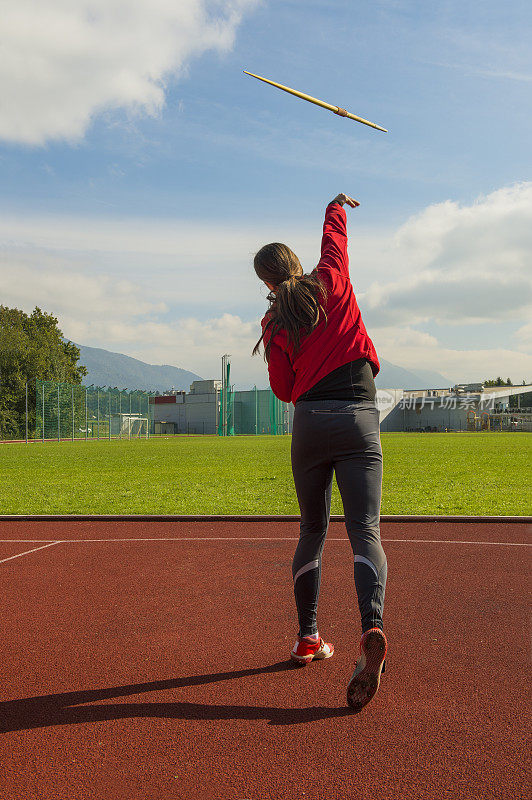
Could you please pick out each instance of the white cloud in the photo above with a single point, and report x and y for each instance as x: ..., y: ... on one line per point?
x: 486, y: 72
x: 182, y: 263
x: 459, y: 264
x: 495, y: 51
x: 189, y: 343
x: 64, y: 61
x: 524, y: 338
x: 413, y: 349
x: 184, y: 293
x: 508, y: 74
x: 74, y: 293
x: 128, y: 315
x: 182, y: 240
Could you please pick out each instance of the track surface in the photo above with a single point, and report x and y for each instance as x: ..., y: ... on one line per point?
x: 149, y: 660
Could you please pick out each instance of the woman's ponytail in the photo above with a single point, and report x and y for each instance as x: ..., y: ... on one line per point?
x: 296, y: 302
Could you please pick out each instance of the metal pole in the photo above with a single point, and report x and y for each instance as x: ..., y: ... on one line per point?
x: 42, y: 412
x: 256, y: 411
x: 109, y: 408
x: 26, y: 412
x: 228, y: 396
x: 223, y: 397
x: 72, y: 413
x: 86, y: 416
x: 98, y: 415
x: 226, y: 420
x: 129, y: 426
x: 58, y: 417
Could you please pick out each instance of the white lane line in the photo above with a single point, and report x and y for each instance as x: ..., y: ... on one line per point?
x: 257, y: 539
x: 25, y: 553
x: 458, y: 541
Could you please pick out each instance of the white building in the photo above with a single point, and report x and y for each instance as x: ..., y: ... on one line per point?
x: 458, y: 408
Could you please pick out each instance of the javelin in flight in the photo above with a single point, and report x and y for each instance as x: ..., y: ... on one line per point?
x: 335, y: 109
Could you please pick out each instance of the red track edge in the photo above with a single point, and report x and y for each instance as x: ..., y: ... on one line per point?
x: 247, y: 518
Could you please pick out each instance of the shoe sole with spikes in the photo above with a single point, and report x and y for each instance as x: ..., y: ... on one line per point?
x: 365, y: 680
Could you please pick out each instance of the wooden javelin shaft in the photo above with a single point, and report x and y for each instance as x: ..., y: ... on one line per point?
x: 335, y: 109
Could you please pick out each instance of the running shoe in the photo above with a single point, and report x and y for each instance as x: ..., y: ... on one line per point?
x: 306, y: 650
x: 365, y: 680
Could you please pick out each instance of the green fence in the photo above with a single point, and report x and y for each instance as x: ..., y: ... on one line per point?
x: 259, y: 411
x: 70, y: 411
x: 256, y: 411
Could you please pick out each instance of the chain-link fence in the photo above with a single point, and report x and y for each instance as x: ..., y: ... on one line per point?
x: 259, y: 411
x: 70, y: 411
x: 255, y: 411
x: 57, y: 411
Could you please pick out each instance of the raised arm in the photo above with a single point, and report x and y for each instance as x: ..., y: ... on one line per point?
x: 334, y: 239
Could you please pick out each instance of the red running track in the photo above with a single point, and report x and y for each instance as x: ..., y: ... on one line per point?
x: 149, y: 660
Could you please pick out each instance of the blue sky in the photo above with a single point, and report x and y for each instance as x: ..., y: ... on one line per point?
x: 141, y: 170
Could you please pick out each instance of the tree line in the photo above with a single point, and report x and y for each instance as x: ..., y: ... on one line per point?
x: 499, y: 382
x: 31, y: 346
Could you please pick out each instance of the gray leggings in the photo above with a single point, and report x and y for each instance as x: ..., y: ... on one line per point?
x: 341, y: 436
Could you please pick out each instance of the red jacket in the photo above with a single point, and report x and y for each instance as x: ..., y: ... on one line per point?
x: 326, y: 348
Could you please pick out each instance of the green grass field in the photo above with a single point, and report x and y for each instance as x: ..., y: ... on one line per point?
x: 462, y: 473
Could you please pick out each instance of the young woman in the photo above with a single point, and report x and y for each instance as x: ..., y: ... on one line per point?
x: 321, y: 358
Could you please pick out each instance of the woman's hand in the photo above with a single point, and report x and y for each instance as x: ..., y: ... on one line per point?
x: 343, y: 198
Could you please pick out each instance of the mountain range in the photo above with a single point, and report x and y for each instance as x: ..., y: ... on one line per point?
x: 106, y: 368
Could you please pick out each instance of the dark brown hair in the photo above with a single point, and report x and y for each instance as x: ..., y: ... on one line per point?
x: 295, y: 304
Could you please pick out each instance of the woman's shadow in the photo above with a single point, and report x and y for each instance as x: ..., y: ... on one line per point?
x: 67, y: 708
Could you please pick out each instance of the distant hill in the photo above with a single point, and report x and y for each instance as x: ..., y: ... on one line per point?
x: 114, y: 369
x: 393, y: 377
